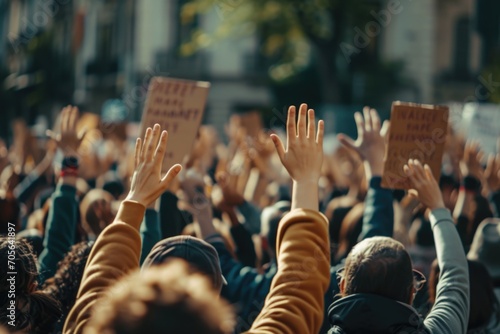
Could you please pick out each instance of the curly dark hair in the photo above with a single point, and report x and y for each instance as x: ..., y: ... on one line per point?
x: 66, y: 282
x: 35, y: 310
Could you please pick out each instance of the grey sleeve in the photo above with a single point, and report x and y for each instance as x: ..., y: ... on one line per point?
x: 450, y: 313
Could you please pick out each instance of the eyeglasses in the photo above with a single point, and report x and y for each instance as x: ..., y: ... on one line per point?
x: 419, y: 279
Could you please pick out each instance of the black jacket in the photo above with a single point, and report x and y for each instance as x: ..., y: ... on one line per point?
x: 372, y: 314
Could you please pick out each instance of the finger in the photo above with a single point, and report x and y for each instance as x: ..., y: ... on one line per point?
x: 321, y: 133
x: 64, y: 119
x: 221, y: 179
x: 375, y: 120
x: 408, y: 171
x: 347, y: 141
x: 73, y: 119
x: 385, y: 129
x: 368, y: 119
x: 147, y: 138
x: 411, y: 173
x: 413, y: 193
x: 279, y: 146
x: 170, y: 176
x: 428, y: 172
x: 411, y: 167
x: 490, y: 164
x: 291, y: 126
x: 480, y: 156
x: 153, y: 142
x: 52, y: 135
x: 137, y: 154
x: 82, y: 134
x: 311, y: 128
x: 419, y: 169
x: 360, y: 124
x: 301, y: 123
x: 161, y: 149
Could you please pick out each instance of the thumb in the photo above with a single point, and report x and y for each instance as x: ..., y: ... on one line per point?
x: 413, y: 193
x: 279, y: 146
x: 347, y: 141
x: 171, y: 174
x: 384, y: 131
x: 51, y: 134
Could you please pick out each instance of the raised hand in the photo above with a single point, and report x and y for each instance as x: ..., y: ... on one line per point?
x: 68, y: 140
x: 147, y: 182
x: 492, y: 173
x: 231, y: 197
x: 303, y: 156
x: 424, y: 186
x: 370, y: 144
x: 304, y: 152
x: 471, y: 163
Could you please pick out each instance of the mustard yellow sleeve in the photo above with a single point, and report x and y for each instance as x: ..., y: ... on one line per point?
x: 115, y: 254
x: 295, y: 303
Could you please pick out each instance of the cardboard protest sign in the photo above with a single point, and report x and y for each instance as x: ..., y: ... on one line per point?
x: 417, y: 132
x: 178, y: 106
x: 481, y: 122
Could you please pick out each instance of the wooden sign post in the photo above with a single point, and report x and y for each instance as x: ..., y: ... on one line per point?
x: 178, y: 106
x: 417, y: 131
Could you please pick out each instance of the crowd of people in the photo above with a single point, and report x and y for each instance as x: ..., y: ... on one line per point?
x: 269, y: 233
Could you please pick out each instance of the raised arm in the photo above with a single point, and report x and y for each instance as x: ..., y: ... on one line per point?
x: 150, y: 230
x: 450, y: 313
x: 117, y: 249
x: 295, y: 303
x: 492, y: 176
x: 378, y: 218
x: 61, y: 225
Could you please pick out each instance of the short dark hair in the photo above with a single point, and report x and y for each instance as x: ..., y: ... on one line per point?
x: 379, y: 266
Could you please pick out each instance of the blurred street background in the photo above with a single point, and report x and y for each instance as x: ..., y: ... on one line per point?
x: 336, y: 55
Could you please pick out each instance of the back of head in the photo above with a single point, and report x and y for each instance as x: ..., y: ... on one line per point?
x: 199, y: 254
x: 270, y: 219
x: 162, y: 299
x: 486, y: 247
x: 379, y: 266
x: 481, y: 211
x: 34, y: 311
x: 95, y: 210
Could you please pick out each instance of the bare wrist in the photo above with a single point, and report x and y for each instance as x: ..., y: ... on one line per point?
x: 373, y: 169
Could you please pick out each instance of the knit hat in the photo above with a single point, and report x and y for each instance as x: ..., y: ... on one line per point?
x: 485, y: 247
x: 198, y: 253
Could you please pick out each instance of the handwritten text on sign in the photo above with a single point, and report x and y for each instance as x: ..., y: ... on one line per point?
x: 177, y: 105
x: 417, y: 132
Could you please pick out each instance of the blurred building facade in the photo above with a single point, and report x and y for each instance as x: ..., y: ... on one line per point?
x: 106, y: 49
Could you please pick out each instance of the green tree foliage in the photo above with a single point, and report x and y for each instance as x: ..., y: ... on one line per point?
x: 295, y: 33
